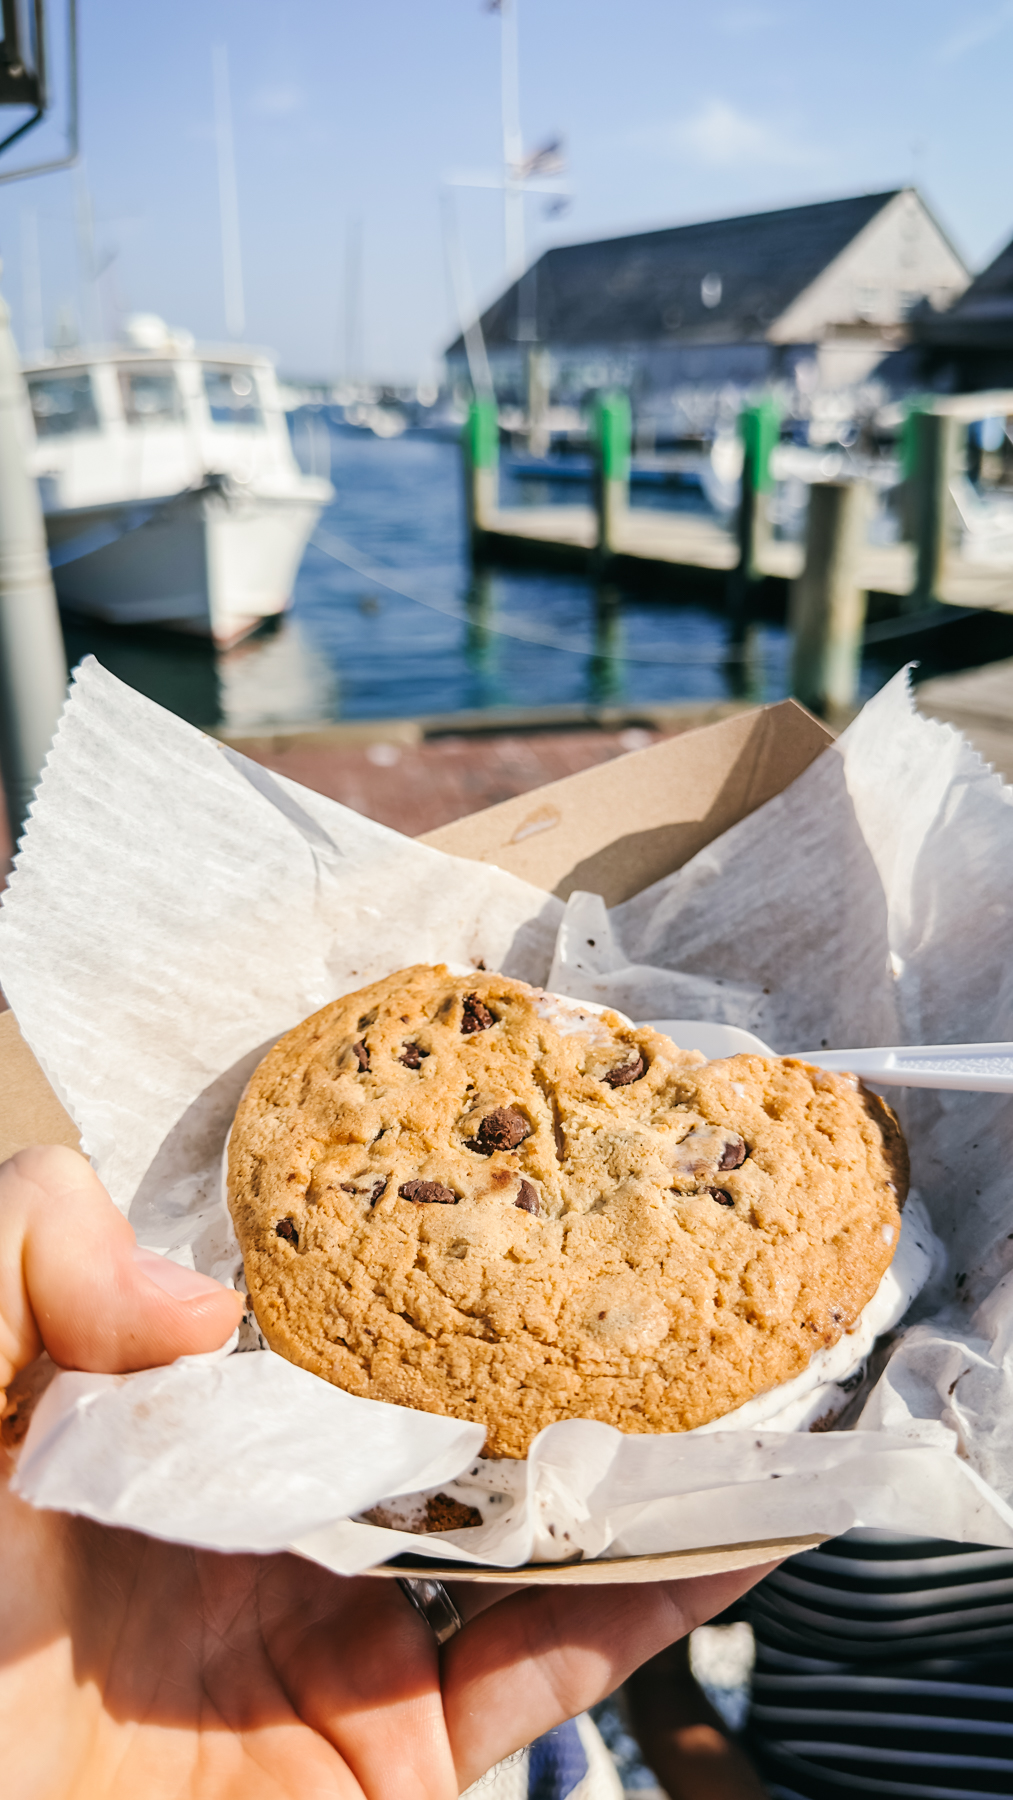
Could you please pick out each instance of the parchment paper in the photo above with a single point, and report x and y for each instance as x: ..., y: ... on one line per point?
x: 176, y: 907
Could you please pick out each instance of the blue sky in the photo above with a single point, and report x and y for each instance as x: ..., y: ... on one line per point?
x: 347, y: 112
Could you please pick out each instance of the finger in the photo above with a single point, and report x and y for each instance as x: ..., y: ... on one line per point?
x: 73, y: 1280
x: 363, y: 1669
x: 474, y: 1597
x: 546, y: 1654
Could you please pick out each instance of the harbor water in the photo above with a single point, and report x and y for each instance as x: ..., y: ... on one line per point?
x: 388, y: 620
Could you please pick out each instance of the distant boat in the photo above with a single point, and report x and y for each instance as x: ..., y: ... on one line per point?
x: 170, y: 490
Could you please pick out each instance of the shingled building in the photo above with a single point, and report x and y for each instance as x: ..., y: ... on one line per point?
x: 970, y: 346
x: 810, y: 294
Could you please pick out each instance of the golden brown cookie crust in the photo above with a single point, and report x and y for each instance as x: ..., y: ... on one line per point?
x: 446, y: 1201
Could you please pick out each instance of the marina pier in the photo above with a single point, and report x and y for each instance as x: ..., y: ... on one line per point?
x: 744, y: 562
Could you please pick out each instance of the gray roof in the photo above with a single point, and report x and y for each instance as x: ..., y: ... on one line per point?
x: 647, y: 288
x: 982, y: 317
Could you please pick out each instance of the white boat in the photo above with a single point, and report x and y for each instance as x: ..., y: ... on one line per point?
x: 170, y: 490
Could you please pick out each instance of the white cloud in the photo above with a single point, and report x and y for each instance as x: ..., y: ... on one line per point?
x: 276, y: 102
x: 737, y: 21
x: 720, y: 136
x: 982, y: 31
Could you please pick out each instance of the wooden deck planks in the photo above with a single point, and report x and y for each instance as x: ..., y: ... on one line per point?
x: 689, y: 541
x: 979, y: 703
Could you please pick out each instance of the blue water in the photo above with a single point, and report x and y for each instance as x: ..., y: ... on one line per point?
x: 400, y: 503
x: 412, y: 630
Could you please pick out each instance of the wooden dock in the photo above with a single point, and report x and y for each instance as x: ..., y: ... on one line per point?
x: 979, y: 703
x: 616, y: 541
x: 684, y: 545
x: 677, y: 543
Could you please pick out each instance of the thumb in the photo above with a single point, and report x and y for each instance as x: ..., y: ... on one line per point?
x: 74, y: 1281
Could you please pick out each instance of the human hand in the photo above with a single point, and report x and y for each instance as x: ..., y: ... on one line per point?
x: 132, y: 1668
x: 681, y: 1736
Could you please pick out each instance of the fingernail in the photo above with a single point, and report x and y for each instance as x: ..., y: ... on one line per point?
x: 182, y: 1284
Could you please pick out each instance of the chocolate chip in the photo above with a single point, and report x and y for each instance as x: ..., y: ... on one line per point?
x: 285, y: 1229
x: 475, y: 1016
x: 734, y: 1154
x: 502, y: 1129
x: 527, y: 1198
x: 374, y: 1193
x: 626, y: 1072
x: 427, y: 1193
x: 361, y: 1055
x: 412, y: 1056
x: 721, y: 1197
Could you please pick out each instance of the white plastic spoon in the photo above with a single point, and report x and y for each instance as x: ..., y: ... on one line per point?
x: 978, y: 1068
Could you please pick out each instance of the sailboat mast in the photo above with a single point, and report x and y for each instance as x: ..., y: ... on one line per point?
x: 354, y: 312
x: 87, y: 260
x: 513, y: 155
x: 34, y: 332
x: 232, y: 257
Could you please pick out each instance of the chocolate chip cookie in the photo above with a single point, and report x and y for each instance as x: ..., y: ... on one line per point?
x: 460, y: 1194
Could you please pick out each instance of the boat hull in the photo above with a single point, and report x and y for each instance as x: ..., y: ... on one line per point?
x: 214, y: 561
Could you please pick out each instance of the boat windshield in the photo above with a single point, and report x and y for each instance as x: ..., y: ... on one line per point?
x: 232, y: 396
x: 63, y: 403
x: 151, y: 396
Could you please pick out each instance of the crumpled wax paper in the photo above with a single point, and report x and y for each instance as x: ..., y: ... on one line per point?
x: 176, y: 907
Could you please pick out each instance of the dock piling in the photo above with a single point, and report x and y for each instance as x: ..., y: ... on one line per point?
x: 935, y: 448
x: 539, y: 374
x: 481, y: 466
x: 760, y: 428
x: 827, y: 608
x: 612, y: 438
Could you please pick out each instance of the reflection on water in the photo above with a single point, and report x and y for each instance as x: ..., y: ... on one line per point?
x: 275, y: 676
x: 177, y: 671
x: 354, y: 646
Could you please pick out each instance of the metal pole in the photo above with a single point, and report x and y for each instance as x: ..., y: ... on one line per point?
x: 33, y: 666
x: 513, y: 181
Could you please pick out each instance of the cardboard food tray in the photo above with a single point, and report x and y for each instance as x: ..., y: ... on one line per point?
x: 611, y: 830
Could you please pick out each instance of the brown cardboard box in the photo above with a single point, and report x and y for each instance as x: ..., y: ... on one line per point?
x: 612, y: 830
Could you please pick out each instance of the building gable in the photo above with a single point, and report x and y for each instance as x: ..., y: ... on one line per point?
x: 900, y: 257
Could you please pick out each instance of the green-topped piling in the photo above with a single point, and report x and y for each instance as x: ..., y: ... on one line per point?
x: 760, y: 430
x: 933, y: 451
x: 611, y: 439
x: 480, y: 442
